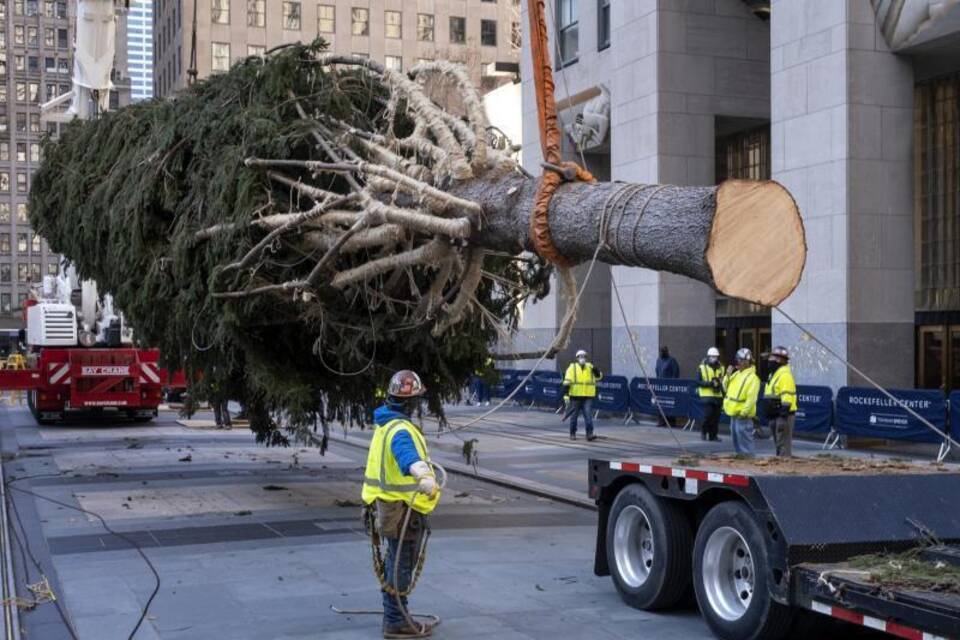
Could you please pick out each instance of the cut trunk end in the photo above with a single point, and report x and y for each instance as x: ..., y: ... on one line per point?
x: 757, y: 246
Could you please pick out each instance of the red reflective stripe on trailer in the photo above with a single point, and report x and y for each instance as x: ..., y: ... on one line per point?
x: 740, y: 481
x: 887, y: 626
x: 904, y: 632
x: 676, y: 472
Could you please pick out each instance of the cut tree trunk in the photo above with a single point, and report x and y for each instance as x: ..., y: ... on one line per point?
x: 744, y: 238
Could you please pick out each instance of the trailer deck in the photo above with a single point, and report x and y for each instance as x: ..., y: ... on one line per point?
x: 787, y: 525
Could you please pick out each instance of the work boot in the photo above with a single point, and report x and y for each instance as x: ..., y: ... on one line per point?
x: 591, y: 437
x: 404, y: 630
x: 573, y: 436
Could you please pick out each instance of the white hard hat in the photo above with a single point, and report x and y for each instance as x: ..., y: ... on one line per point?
x: 744, y: 355
x: 581, y: 352
x: 713, y: 352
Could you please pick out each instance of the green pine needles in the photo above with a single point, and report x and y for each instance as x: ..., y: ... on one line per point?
x: 284, y: 232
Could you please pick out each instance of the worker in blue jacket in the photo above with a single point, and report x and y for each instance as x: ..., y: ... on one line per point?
x: 399, y: 483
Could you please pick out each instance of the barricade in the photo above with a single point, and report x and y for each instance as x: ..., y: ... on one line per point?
x: 548, y: 389
x: 814, y: 409
x: 675, y: 397
x: 869, y: 413
x: 613, y: 395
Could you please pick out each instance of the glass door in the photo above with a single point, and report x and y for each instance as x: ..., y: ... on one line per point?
x: 932, y: 367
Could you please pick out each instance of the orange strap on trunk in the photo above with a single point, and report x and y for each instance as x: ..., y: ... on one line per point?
x: 549, y: 139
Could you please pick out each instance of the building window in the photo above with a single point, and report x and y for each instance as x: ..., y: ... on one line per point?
x: 5, y: 212
x: 359, y: 21
x: 326, y: 18
x: 21, y: 213
x: 18, y: 35
x: 425, y: 25
x: 220, y: 11
x: 18, y: 7
x: 35, y: 273
x: 3, y: 63
x: 256, y: 50
x: 21, y: 182
x: 393, y: 21
x: 33, y: 37
x: 50, y: 65
x: 256, y: 13
x: 62, y: 38
x: 33, y: 8
x: 34, y: 123
x: 33, y: 64
x: 62, y: 9
x: 488, y: 33
x: 34, y: 152
x: 4, y: 243
x: 33, y: 92
x: 48, y: 10
x: 21, y: 152
x: 568, y: 29
x: 603, y: 24
x: 35, y: 245
x: 291, y: 16
x: 458, y: 30
x: 21, y: 123
x: 937, y: 198
x: 22, y: 244
x: 23, y: 272
x: 516, y: 35
x: 5, y: 278
x: 49, y: 37
x: 63, y: 66
x: 221, y: 56
x: 394, y: 63
x: 21, y: 91
x: 52, y: 268
x: 20, y: 63
x: 5, y: 157
x: 5, y: 297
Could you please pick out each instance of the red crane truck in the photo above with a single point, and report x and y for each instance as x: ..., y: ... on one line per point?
x: 757, y: 545
x: 81, y: 357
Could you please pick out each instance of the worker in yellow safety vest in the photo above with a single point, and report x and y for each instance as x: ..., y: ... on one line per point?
x: 710, y: 390
x: 780, y: 397
x: 399, y: 490
x: 580, y: 386
x: 742, y: 386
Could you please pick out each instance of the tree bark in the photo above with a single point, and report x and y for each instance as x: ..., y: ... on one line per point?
x: 744, y: 238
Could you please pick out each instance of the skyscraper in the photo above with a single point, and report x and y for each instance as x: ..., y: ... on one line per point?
x: 36, y: 64
x: 140, y: 49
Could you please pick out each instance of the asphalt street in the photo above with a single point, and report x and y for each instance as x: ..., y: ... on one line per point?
x: 251, y: 542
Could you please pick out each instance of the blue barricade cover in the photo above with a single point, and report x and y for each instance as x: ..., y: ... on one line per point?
x: 529, y: 390
x: 955, y: 414
x: 503, y: 385
x: 549, y: 388
x: 814, y: 409
x: 867, y: 412
x: 676, y: 397
x: 613, y: 394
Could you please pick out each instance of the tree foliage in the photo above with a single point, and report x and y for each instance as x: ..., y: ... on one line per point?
x: 156, y: 200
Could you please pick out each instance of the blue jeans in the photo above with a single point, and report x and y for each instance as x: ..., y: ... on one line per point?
x: 584, y: 406
x: 743, y: 433
x: 392, y: 615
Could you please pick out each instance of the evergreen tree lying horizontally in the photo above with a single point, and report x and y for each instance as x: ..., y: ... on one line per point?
x: 299, y: 227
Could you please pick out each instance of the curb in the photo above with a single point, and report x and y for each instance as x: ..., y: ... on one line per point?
x: 11, y: 611
x: 501, y: 479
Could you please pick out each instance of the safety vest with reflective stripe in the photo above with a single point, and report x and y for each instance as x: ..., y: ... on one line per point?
x: 782, y: 385
x: 383, y: 479
x: 740, y: 401
x: 709, y: 374
x: 581, y: 380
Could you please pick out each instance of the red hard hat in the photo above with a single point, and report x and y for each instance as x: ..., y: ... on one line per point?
x: 405, y: 384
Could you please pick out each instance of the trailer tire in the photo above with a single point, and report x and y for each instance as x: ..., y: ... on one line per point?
x: 649, y: 541
x: 730, y: 577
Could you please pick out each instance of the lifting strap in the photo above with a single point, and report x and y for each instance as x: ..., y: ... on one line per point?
x: 558, y: 170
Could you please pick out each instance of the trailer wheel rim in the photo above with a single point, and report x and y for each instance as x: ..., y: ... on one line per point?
x: 633, y: 546
x: 728, y: 573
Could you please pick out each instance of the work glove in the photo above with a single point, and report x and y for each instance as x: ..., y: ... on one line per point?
x: 426, y: 481
x: 566, y: 399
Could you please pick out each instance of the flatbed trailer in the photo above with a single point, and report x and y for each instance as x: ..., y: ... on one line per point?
x: 757, y: 545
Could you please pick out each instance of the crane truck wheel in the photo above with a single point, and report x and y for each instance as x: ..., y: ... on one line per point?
x: 648, y: 544
x: 730, y: 577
